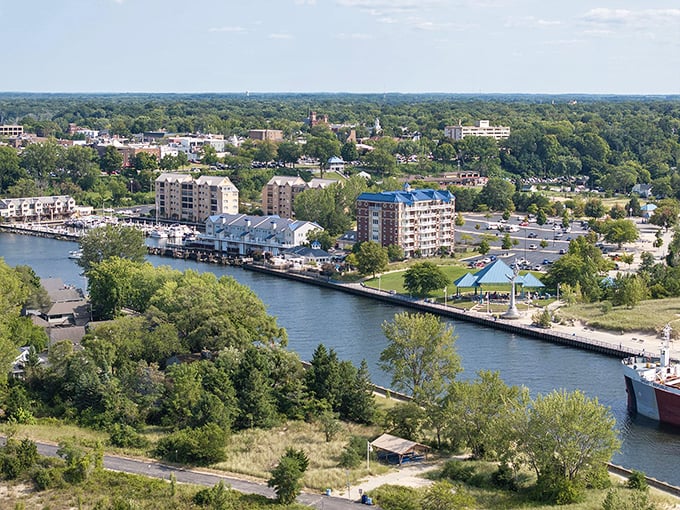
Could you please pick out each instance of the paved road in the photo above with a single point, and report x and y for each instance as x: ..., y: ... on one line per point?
x: 158, y: 470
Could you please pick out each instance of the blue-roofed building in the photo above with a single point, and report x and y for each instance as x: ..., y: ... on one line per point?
x: 421, y: 221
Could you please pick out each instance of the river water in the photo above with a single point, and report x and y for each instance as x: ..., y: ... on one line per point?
x: 352, y: 326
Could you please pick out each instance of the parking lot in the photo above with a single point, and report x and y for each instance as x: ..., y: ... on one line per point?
x: 527, y: 237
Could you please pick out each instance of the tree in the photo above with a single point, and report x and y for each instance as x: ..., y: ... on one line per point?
x: 395, y: 253
x: 289, y: 153
x: 484, y: 247
x: 619, y: 231
x: 40, y: 159
x: 101, y: 243
x: 371, y: 258
x: 506, y: 244
x: 111, y: 160
x: 10, y: 171
x: 629, y: 290
x: 565, y: 437
x: 443, y: 495
x: 381, y: 161
x: 420, y: 355
x: 424, y: 277
x: 497, y: 194
x: 287, y: 475
x: 666, y: 214
x: 349, y: 152
x: 81, y: 166
x: 594, y: 208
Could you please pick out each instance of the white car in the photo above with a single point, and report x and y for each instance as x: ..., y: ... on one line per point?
x: 533, y: 247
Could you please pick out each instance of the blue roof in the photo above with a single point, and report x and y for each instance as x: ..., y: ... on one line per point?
x: 529, y: 280
x: 407, y: 197
x: 498, y: 272
x: 335, y: 159
x: 467, y: 280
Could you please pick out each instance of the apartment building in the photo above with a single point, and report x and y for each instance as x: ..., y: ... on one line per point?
x: 420, y: 221
x: 181, y: 197
x: 50, y: 208
x: 481, y: 128
x: 278, y: 195
x: 240, y: 234
x: 273, y: 135
x: 9, y: 131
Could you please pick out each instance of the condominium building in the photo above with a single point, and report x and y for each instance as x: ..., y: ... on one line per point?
x: 240, y: 234
x: 278, y: 195
x: 181, y: 197
x: 421, y: 222
x: 273, y: 135
x: 56, y: 207
x: 7, y: 131
x: 481, y: 128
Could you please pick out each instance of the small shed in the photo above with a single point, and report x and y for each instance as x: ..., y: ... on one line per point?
x: 396, y: 450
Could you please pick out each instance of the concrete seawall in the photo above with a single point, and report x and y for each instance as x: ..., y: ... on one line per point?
x: 485, y: 320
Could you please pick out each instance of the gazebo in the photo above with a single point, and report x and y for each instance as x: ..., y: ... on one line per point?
x: 396, y: 450
x: 496, y: 273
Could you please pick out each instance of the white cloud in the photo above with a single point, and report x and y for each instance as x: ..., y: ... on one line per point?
x: 530, y: 21
x: 305, y: 2
x: 280, y: 36
x: 233, y: 29
x: 644, y: 18
x: 354, y: 36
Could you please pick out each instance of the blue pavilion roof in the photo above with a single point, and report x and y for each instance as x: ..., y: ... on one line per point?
x: 408, y: 197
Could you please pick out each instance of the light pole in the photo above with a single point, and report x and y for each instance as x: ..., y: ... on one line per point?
x: 558, y: 291
x: 379, y: 282
x: 525, y: 244
x: 445, y: 296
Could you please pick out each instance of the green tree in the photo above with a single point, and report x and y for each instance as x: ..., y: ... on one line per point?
x: 666, y: 214
x: 506, y: 243
x: 619, y: 231
x: 565, y: 437
x: 41, y: 159
x: 100, y: 243
x: 111, y: 160
x: 371, y: 258
x: 443, y: 495
x: 381, y: 161
x: 287, y: 476
x: 594, y: 208
x: 424, y: 277
x: 497, y: 194
x: 349, y: 152
x: 484, y: 247
x: 395, y: 253
x: 629, y: 290
x: 420, y: 355
x: 326, y: 240
x: 289, y: 153
x: 10, y: 171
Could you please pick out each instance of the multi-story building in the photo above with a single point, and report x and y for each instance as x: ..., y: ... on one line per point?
x: 481, y: 128
x: 421, y: 222
x: 180, y: 197
x: 37, y: 208
x: 7, y: 131
x: 240, y: 234
x: 278, y: 195
x: 273, y: 135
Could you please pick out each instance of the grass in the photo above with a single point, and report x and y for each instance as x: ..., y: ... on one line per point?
x: 647, y: 316
x: 255, y: 452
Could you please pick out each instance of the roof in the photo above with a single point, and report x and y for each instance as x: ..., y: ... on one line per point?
x: 306, y: 251
x: 498, y: 272
x: 281, y: 180
x: 335, y: 159
x: 407, y: 197
x: 648, y: 207
x: 394, y: 444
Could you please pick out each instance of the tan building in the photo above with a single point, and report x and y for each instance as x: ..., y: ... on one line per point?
x: 11, y: 131
x: 180, y: 197
x: 420, y: 221
x: 278, y: 195
x: 273, y: 135
x: 481, y: 128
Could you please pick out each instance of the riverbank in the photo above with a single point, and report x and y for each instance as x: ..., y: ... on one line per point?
x: 611, y: 344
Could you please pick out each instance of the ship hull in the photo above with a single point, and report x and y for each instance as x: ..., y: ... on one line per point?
x: 653, y: 401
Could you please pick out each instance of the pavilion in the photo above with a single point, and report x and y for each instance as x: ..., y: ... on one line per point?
x: 496, y: 273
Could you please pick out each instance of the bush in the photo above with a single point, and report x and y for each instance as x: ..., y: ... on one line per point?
x: 458, y: 470
x: 202, y: 446
x: 354, y: 452
x: 598, y: 479
x: 638, y: 481
x: 504, y: 478
x: 218, y: 497
x: 558, y: 490
x: 396, y: 497
x: 124, y: 436
x: 11, y: 467
x: 44, y: 478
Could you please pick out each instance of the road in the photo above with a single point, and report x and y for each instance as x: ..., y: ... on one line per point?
x: 197, y: 477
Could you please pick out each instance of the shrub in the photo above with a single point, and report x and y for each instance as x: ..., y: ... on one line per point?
x: 558, y: 490
x: 218, y: 497
x: 11, y: 467
x: 458, y: 470
x: 638, y: 481
x: 44, y: 478
x: 124, y: 436
x: 287, y: 475
x: 396, y: 497
x: 204, y: 445
x: 504, y: 478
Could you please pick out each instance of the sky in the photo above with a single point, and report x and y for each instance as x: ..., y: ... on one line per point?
x: 360, y: 46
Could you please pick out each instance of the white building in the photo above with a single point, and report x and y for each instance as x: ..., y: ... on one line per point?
x: 481, y: 128
x: 37, y: 208
x: 240, y: 234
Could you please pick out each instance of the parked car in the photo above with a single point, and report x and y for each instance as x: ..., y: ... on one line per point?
x: 524, y: 224
x: 547, y: 262
x: 538, y: 267
x: 563, y: 251
x: 533, y: 247
x: 532, y: 235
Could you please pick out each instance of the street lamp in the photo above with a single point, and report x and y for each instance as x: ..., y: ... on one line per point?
x: 379, y: 282
x: 445, y: 296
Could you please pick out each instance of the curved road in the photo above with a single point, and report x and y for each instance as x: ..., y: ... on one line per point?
x: 158, y: 470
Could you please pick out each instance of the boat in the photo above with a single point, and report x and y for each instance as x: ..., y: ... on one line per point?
x: 75, y: 254
x: 653, y: 385
x: 158, y: 233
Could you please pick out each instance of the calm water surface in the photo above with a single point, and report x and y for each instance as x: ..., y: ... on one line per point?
x: 352, y: 326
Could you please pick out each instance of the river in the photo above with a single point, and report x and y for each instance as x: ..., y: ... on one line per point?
x: 352, y: 326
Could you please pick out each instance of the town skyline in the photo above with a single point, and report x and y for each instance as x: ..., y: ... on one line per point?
x: 354, y: 46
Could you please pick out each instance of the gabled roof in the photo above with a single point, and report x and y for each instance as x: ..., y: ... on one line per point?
x: 467, y: 280
x: 530, y: 281
x: 394, y: 444
x: 496, y: 272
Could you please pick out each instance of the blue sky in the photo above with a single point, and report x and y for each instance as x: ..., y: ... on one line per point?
x: 456, y: 46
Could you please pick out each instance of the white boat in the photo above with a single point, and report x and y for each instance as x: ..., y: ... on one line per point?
x: 75, y: 254
x: 653, y: 385
x: 158, y: 233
